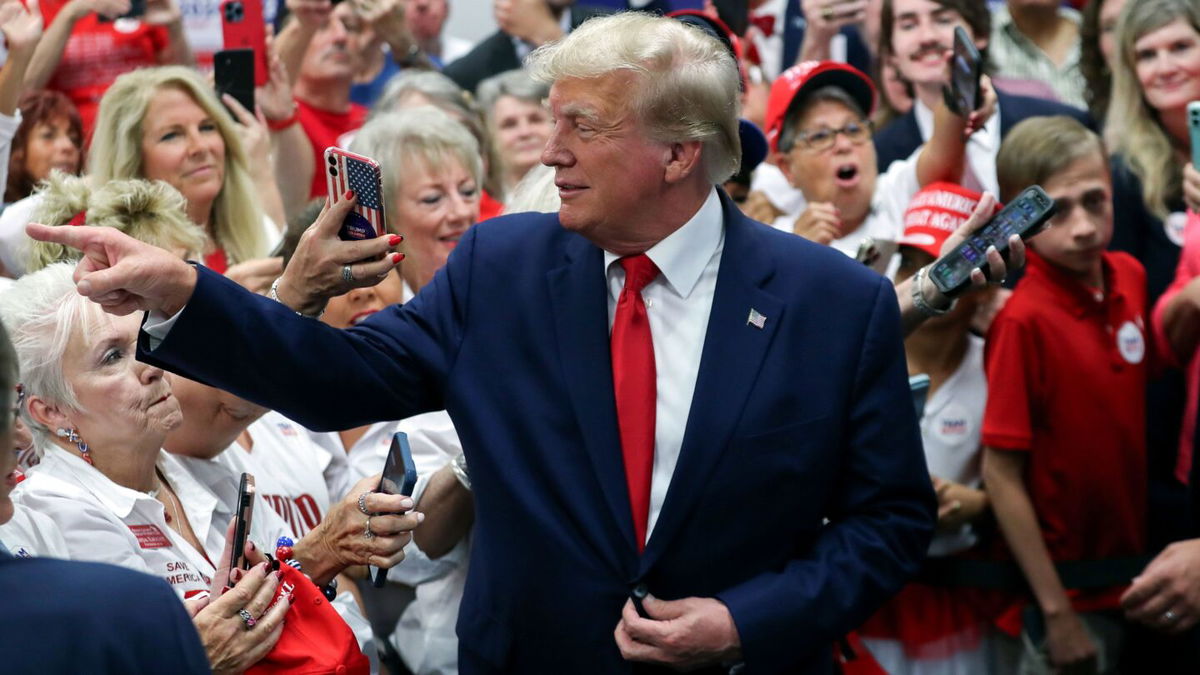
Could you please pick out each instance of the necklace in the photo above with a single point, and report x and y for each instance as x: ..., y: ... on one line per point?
x: 172, y: 515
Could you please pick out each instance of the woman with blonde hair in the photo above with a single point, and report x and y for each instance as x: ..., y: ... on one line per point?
x: 166, y: 124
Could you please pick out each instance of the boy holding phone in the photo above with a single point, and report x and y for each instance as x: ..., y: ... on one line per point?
x: 1064, y: 427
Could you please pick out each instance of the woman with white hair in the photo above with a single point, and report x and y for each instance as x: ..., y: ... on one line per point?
x: 514, y: 104
x: 166, y: 124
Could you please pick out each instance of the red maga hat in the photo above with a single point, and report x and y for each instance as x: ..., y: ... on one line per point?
x: 807, y: 77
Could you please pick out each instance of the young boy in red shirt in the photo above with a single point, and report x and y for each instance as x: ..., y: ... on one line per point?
x: 1063, y: 430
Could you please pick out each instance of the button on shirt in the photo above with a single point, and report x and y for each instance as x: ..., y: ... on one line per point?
x: 678, y: 303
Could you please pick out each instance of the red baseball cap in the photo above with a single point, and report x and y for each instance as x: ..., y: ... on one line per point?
x: 935, y: 213
x: 807, y: 77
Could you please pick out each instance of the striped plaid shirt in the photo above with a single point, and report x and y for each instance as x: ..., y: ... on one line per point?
x: 1016, y: 56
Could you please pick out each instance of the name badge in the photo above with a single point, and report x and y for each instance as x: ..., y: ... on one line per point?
x: 149, y: 536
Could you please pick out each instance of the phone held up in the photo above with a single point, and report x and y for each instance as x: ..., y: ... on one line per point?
x: 966, y: 68
x: 233, y: 74
x: 1024, y: 216
x: 242, y: 27
x: 344, y: 171
x: 399, y: 478
x: 241, y: 527
x: 1193, y: 114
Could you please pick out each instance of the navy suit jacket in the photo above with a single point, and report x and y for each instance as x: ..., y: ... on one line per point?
x: 804, y: 419
x: 902, y: 136
x: 66, y: 617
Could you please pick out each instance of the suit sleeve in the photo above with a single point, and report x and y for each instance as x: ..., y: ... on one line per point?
x: 393, y: 365
x: 879, y: 529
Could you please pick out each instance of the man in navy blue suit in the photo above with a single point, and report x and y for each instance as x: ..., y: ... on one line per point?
x: 656, y: 395
x: 60, y: 617
x: 915, y: 36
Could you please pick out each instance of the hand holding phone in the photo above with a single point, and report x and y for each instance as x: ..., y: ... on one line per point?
x: 241, y: 528
x: 346, y: 171
x: 1024, y: 216
x: 399, y: 478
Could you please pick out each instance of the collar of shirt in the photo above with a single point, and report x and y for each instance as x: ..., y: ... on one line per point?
x: 120, y: 500
x: 1075, y: 295
x: 986, y: 138
x: 523, y: 48
x: 682, y: 256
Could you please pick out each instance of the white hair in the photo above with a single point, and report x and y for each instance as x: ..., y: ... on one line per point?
x: 535, y: 192
x: 43, y: 312
x: 425, y: 134
x: 687, y: 82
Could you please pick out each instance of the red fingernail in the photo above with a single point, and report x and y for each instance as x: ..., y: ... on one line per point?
x: 397, y: 257
x: 349, y: 194
x: 395, y: 239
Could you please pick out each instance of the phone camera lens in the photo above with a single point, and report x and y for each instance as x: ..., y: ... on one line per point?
x: 332, y: 160
x: 332, y: 171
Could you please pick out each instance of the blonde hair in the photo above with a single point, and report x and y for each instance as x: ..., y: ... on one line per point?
x: 425, y: 135
x: 1038, y: 148
x: 42, y: 312
x: 150, y: 211
x: 1132, y: 128
x: 687, y: 82
x: 116, y: 153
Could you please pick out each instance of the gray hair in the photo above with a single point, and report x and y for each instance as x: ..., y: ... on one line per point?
x: 42, y: 312
x: 687, y: 87
x: 535, y: 192
x: 425, y: 134
x: 515, y: 83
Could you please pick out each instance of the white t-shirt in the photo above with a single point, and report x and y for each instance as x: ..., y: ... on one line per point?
x: 105, y: 522
x: 31, y: 534
x: 979, y: 174
x: 950, y: 432
x: 289, y: 470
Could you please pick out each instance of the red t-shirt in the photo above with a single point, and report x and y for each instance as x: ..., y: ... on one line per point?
x: 1066, y: 384
x: 323, y: 129
x: 96, y: 53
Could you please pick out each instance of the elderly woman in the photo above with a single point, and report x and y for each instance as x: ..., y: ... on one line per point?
x: 50, y: 137
x: 518, y: 121
x: 166, y: 124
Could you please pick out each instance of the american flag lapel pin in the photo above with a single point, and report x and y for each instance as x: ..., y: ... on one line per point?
x: 756, y: 319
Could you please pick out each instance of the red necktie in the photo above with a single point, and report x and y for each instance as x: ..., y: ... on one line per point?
x: 634, y: 386
x: 764, y: 22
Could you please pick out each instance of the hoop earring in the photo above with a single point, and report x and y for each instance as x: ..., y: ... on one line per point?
x: 72, y: 436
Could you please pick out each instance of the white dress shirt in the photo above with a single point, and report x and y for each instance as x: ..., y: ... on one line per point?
x: 30, y: 534
x: 289, y: 470
x: 980, y: 171
x: 678, y: 302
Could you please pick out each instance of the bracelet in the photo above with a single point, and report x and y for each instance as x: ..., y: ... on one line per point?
x: 459, y: 466
x: 329, y: 590
x: 918, y: 296
x: 280, y: 125
x: 274, y: 295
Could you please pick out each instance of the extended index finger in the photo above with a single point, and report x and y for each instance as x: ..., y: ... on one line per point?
x: 75, y: 237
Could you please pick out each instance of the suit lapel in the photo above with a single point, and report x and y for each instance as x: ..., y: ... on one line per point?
x: 580, y: 302
x: 733, y: 353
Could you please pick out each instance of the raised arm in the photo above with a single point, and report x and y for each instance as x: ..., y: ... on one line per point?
x: 943, y: 156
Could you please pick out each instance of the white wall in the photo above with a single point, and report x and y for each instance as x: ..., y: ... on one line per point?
x: 470, y: 19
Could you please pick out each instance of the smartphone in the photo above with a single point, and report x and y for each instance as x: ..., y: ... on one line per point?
x: 136, y: 8
x: 1193, y: 112
x: 1023, y: 216
x: 233, y: 73
x: 966, y: 67
x: 399, y: 478
x: 344, y: 171
x: 919, y: 386
x: 241, y: 526
x: 242, y: 27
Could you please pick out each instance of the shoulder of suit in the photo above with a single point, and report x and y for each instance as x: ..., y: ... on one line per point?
x: 1021, y: 107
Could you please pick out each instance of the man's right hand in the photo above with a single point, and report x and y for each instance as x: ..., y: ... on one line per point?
x: 120, y: 273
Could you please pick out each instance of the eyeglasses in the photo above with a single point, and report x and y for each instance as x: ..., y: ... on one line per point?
x: 822, y: 138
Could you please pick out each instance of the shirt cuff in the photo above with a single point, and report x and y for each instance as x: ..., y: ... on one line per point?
x: 158, y: 325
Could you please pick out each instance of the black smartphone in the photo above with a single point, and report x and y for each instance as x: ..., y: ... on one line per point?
x: 399, y: 478
x: 919, y: 386
x: 1193, y: 113
x: 241, y: 525
x: 966, y: 67
x: 136, y: 8
x: 1023, y: 216
x: 233, y: 72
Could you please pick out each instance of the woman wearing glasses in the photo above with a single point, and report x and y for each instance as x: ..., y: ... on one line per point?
x: 818, y: 124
